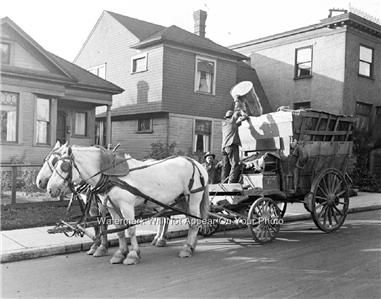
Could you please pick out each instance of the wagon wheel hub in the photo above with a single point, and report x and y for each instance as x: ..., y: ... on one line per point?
x: 331, y: 199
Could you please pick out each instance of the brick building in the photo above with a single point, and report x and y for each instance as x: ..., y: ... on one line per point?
x: 334, y: 65
x: 176, y: 83
x: 44, y: 98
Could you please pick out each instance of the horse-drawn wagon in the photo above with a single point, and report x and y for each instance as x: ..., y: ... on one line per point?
x: 288, y: 156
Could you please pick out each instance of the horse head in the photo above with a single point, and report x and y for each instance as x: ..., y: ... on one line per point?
x: 48, y: 167
x: 63, y: 174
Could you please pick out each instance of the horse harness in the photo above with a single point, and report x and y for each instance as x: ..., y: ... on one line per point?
x: 106, y: 183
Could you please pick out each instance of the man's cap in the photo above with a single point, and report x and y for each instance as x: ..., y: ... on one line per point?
x: 229, y: 113
x: 209, y: 154
x: 241, y: 89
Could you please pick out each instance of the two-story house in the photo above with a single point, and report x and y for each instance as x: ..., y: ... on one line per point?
x: 176, y: 83
x: 44, y: 98
x: 334, y: 65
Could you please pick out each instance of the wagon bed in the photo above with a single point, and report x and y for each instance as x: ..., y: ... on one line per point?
x: 290, y: 156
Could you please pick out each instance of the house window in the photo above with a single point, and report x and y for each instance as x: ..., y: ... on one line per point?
x: 139, y: 63
x: 303, y: 62
x: 366, y: 62
x: 302, y: 105
x: 80, y: 124
x: 99, y: 70
x: 145, y: 125
x: 205, y: 77
x: 100, y: 133
x: 8, y: 116
x: 42, y: 121
x: 202, y: 136
x: 363, y: 112
x: 5, y: 53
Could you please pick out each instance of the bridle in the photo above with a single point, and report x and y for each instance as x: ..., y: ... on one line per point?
x: 55, y: 159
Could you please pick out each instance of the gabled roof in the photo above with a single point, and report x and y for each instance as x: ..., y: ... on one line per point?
x: 179, y: 36
x: 150, y: 34
x: 141, y: 29
x: 70, y: 74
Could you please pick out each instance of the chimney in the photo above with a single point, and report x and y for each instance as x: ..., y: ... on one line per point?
x: 199, y: 17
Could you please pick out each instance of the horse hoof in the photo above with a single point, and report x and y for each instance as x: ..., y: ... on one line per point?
x: 101, y: 251
x: 118, y: 257
x: 133, y: 258
x: 154, y: 241
x: 185, y: 252
x: 161, y: 243
x: 92, y: 249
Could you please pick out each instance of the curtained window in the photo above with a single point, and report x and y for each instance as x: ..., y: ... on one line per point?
x: 202, y: 135
x: 100, y: 133
x: 8, y: 116
x: 205, y: 78
x: 80, y: 124
x: 145, y: 125
x: 42, y: 121
x: 363, y: 111
x: 303, y: 62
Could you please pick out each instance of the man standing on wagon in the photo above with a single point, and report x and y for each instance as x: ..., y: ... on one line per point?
x: 233, y: 119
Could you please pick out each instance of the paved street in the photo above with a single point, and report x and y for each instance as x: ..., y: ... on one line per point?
x: 301, y: 263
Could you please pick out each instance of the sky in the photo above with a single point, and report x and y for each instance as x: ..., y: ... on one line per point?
x: 62, y: 27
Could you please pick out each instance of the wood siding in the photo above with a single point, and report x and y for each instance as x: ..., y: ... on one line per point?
x: 113, y: 42
x: 179, y: 75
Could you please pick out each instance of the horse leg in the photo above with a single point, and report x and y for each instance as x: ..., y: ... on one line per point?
x: 133, y: 257
x: 102, y: 249
x: 121, y: 253
x: 158, y: 233
x: 194, y: 209
x: 160, y: 240
x: 96, y: 243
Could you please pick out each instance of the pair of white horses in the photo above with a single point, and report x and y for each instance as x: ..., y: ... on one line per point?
x: 164, y: 181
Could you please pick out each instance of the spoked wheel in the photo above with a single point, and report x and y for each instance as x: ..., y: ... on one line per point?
x: 209, y: 227
x: 264, y: 220
x: 330, y: 200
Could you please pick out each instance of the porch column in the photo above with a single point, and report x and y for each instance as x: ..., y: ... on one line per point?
x: 108, y: 126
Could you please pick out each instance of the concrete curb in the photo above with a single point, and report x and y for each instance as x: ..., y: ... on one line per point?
x: 32, y: 253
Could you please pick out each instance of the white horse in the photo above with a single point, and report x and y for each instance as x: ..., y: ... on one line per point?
x: 99, y: 247
x: 164, y: 181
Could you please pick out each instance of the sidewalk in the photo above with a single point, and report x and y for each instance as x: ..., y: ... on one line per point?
x: 36, y: 242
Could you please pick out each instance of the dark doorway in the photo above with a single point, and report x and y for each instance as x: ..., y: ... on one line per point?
x: 61, y: 126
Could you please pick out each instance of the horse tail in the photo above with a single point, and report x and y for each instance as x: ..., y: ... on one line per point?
x: 205, y: 203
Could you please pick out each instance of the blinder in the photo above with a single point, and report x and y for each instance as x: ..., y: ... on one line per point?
x: 65, y: 166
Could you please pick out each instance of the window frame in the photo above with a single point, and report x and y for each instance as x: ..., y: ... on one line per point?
x: 296, y: 68
x: 150, y: 130
x: 137, y: 57
x: 49, y: 126
x: 17, y: 118
x: 368, y: 116
x: 214, y: 81
x: 75, y: 125
x: 9, y: 52
x: 194, y: 143
x: 97, y: 68
x: 371, y: 64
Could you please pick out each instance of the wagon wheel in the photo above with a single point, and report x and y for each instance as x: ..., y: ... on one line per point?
x: 209, y: 227
x: 264, y: 220
x: 330, y: 200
